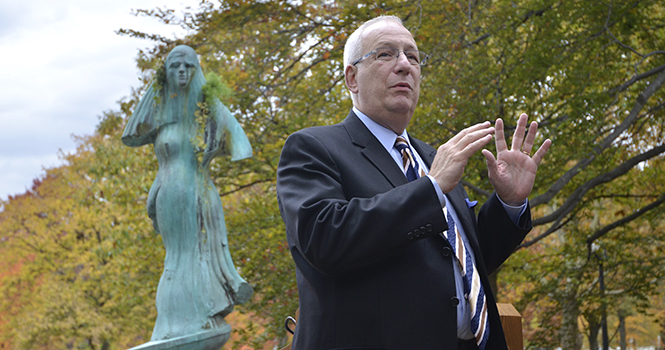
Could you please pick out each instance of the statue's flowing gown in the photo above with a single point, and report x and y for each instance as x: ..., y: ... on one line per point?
x: 200, y: 284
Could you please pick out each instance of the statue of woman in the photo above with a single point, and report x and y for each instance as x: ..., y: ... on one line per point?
x: 200, y: 284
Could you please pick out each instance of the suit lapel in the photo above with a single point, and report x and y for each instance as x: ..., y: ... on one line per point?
x: 373, y: 150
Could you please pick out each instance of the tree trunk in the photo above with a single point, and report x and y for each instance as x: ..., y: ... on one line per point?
x: 661, y: 337
x: 622, y: 330
x: 569, y: 333
x: 594, y: 329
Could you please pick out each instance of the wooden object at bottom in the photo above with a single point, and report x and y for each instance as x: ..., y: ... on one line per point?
x: 511, y: 320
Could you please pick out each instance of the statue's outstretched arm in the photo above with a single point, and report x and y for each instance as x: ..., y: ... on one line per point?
x: 141, y: 128
x: 225, y: 136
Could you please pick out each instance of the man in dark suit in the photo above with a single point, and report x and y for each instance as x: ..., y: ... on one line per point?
x: 369, y: 225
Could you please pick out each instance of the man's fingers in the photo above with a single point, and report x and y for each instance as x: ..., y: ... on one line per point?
x: 518, y: 136
x: 476, y: 145
x: 469, y: 131
x: 466, y: 146
x: 491, y: 161
x: 530, y: 138
x: 449, y: 162
x: 541, y: 151
x: 472, y: 138
x: 500, y: 141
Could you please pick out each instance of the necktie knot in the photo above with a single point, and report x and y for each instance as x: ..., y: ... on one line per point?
x: 411, y: 168
x: 401, y: 144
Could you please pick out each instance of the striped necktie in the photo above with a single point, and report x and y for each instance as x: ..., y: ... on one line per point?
x: 411, y: 168
x: 473, y: 289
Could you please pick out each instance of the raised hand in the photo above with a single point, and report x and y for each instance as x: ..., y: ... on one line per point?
x: 451, y: 157
x: 513, y: 171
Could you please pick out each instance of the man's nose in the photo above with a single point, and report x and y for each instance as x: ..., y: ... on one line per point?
x: 181, y: 68
x: 402, y: 65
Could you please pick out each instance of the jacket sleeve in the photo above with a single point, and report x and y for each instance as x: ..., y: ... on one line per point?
x: 498, y: 235
x: 335, y: 231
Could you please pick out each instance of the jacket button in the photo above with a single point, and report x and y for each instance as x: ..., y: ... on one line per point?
x: 409, y: 236
x: 416, y: 233
x: 422, y: 230
x: 428, y: 227
x: 454, y: 301
x: 446, y: 252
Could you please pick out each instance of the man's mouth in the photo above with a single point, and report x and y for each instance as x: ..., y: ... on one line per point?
x: 402, y: 86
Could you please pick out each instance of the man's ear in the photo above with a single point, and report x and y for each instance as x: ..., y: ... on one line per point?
x: 350, y: 78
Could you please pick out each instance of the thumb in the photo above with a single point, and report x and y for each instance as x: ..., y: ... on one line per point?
x: 491, y: 162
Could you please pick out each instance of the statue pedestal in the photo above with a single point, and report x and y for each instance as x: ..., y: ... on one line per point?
x: 213, y: 339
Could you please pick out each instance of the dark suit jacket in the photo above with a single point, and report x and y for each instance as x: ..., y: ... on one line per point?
x: 372, y: 270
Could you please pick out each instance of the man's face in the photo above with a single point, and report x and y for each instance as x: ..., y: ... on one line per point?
x: 179, y: 71
x: 386, y: 91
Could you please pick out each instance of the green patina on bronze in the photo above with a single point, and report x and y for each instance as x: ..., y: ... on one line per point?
x: 182, y: 115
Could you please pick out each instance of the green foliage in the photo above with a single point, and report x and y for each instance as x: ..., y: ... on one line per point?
x: 215, y: 88
x: 90, y: 261
x: 212, y: 91
x: 160, y: 76
x: 253, y: 219
x: 201, y: 116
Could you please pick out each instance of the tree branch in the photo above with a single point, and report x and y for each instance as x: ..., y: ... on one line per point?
x: 532, y: 13
x: 476, y: 189
x: 601, y: 232
x: 579, y: 193
x: 555, y: 227
x: 572, y: 202
x: 636, y: 78
x: 241, y: 187
x: 654, y: 86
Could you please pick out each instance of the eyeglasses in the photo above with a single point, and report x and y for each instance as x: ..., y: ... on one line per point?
x: 389, y: 54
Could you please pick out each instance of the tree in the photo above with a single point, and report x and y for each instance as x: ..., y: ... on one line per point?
x: 89, y: 260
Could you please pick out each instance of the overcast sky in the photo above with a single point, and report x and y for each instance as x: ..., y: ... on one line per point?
x: 61, y: 66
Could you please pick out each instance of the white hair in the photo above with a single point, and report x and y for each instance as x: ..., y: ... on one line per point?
x: 353, y: 49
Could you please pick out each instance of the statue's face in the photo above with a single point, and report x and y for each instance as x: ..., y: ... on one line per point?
x: 180, y: 70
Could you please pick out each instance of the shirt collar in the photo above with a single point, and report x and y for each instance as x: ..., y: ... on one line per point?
x: 385, y: 136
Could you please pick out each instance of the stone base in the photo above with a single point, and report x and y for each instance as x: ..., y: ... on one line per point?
x: 213, y: 339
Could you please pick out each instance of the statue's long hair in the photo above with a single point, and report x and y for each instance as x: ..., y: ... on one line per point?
x: 163, y: 103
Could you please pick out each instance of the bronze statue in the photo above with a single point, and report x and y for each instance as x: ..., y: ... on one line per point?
x: 200, y: 284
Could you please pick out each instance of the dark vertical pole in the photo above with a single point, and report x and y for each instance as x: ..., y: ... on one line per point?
x: 603, y: 322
